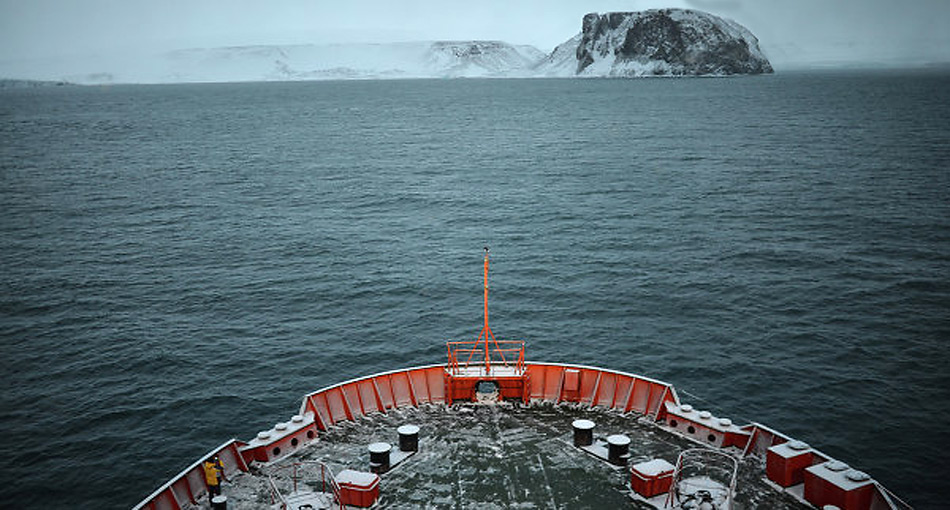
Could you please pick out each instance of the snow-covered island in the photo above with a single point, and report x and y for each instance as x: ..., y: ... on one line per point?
x: 659, y: 42
x: 667, y: 42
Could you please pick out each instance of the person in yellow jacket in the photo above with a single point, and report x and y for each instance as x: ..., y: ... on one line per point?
x: 213, y: 475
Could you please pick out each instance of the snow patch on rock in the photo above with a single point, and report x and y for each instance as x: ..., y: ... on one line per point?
x: 666, y: 42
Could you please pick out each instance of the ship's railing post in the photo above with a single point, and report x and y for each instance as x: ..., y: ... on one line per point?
x: 452, y: 363
x: 275, y: 495
x: 294, y: 478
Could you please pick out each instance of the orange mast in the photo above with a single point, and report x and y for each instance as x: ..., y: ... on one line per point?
x: 486, y: 331
x: 501, y: 350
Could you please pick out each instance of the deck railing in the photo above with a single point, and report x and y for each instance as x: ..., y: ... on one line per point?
x: 326, y: 479
x: 275, y: 496
x: 465, y: 353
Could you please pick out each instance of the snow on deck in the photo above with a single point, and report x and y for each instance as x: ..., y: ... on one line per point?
x: 489, y: 456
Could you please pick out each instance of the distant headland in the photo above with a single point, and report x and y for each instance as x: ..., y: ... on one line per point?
x: 657, y: 42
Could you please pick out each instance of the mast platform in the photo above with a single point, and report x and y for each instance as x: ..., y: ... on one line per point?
x: 486, y: 368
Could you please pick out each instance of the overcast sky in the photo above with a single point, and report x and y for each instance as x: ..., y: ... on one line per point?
x: 800, y: 31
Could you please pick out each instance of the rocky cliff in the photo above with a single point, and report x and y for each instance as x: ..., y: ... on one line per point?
x: 666, y: 42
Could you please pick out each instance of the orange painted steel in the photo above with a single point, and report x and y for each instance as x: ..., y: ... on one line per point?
x: 495, y: 357
x: 411, y: 387
x: 377, y: 393
x: 486, y: 331
x: 597, y: 387
x: 512, y: 354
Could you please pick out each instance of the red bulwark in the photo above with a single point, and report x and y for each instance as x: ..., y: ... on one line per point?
x: 834, y: 483
x: 785, y: 463
x: 571, y: 379
x: 358, y: 488
x: 651, y: 478
x: 462, y: 387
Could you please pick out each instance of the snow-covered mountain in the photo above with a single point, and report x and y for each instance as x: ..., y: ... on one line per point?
x: 666, y: 42
x: 440, y: 59
x: 562, y: 62
x: 655, y: 42
x: 481, y: 58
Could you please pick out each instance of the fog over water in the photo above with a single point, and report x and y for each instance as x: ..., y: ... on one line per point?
x: 793, y: 34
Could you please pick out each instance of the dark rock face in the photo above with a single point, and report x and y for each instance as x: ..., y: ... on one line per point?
x: 667, y: 41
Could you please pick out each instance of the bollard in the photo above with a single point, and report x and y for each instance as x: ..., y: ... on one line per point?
x: 408, y: 438
x: 219, y: 502
x: 379, y: 457
x: 583, y: 432
x: 618, y: 448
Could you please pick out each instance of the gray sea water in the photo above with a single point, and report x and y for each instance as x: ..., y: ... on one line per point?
x: 180, y: 264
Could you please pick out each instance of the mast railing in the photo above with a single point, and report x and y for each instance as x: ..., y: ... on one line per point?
x: 507, y: 353
x: 485, y: 350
